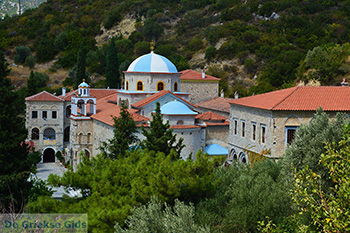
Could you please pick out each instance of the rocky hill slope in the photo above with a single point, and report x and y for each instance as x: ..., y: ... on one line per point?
x: 254, y: 46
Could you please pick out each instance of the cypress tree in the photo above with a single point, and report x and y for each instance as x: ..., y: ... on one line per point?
x: 159, y: 137
x: 80, y: 74
x: 16, y: 163
x: 124, y: 135
x: 112, y: 66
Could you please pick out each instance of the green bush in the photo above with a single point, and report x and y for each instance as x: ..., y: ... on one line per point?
x: 210, y: 53
x: 22, y: 52
x: 30, y: 62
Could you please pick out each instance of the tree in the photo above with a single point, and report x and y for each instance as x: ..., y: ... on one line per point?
x: 162, y: 218
x: 112, y: 66
x: 310, y: 141
x: 30, y: 62
x: 152, y: 30
x: 124, y: 183
x: 22, y: 52
x: 16, y: 162
x: 243, y: 196
x: 124, y: 135
x: 328, y: 208
x: 159, y: 137
x: 36, y: 82
x: 81, y: 66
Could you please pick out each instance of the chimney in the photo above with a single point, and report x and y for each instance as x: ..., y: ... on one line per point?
x: 63, y: 91
x: 222, y: 94
x: 203, y: 74
x: 236, y: 95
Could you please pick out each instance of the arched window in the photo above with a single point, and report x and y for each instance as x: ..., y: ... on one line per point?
x: 160, y: 86
x: 66, y: 134
x: 68, y: 110
x: 80, y: 138
x: 243, y: 158
x: 175, y: 87
x: 90, y: 107
x: 35, y: 134
x: 81, y: 106
x: 49, y: 134
x: 127, y: 85
x: 139, y: 86
x: 89, y: 138
x: 180, y: 122
x: 87, y: 153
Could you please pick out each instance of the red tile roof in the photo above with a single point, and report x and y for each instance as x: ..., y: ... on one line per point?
x: 106, y: 111
x: 302, y: 98
x: 218, y: 104
x: 150, y: 99
x: 156, y: 96
x: 217, y: 123
x: 195, y: 75
x: 210, y: 116
x: 44, y: 96
x: 185, y: 126
x: 97, y: 93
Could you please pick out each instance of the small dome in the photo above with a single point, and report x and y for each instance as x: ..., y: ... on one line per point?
x: 83, y: 84
x: 215, y: 149
x: 176, y: 108
x: 152, y: 63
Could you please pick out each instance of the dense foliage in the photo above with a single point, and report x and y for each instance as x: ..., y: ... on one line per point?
x: 275, y: 39
x: 16, y: 161
x: 111, y: 188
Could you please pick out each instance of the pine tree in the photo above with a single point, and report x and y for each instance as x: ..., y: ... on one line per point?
x: 124, y: 135
x: 16, y: 163
x: 112, y: 67
x: 159, y: 137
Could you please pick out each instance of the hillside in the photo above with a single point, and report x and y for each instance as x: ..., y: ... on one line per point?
x: 254, y: 46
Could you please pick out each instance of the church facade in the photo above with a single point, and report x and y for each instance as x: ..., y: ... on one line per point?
x: 78, y: 122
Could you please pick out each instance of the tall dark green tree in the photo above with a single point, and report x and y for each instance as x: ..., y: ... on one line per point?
x: 112, y: 66
x: 36, y: 82
x: 159, y: 137
x: 16, y: 163
x: 124, y: 135
x: 80, y: 73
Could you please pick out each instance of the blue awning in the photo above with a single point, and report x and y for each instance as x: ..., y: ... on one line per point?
x: 215, y: 149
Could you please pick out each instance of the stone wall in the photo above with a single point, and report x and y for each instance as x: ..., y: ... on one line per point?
x: 217, y: 133
x: 251, y: 116
x: 42, y: 124
x: 194, y: 140
x: 200, y: 90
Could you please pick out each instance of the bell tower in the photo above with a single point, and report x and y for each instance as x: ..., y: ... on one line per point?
x: 83, y: 105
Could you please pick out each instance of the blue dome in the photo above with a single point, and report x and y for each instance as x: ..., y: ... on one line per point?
x: 215, y: 149
x: 152, y: 63
x: 176, y: 108
x: 83, y: 84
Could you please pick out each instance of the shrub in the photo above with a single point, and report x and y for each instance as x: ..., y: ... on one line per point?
x: 30, y: 62
x: 22, y: 52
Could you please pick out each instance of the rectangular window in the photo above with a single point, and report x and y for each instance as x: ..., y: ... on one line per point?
x: 254, y: 132
x: 236, y: 127
x: 243, y: 129
x: 54, y: 114
x: 34, y: 114
x: 290, y: 134
x: 44, y: 114
x: 263, y: 134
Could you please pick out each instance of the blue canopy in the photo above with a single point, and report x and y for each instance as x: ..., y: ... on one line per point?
x: 215, y: 149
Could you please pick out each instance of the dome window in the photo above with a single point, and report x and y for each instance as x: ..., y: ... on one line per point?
x: 139, y: 86
x: 160, y: 86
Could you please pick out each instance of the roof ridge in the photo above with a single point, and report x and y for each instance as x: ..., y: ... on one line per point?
x: 280, y: 102
x: 42, y: 92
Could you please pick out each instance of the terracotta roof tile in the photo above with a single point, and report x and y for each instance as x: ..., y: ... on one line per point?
x: 217, y: 123
x: 302, y: 98
x: 156, y: 96
x: 44, y: 96
x: 210, y: 116
x: 218, y: 104
x: 106, y: 111
x: 195, y: 75
x: 184, y: 126
x: 97, y: 93
x: 150, y: 99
